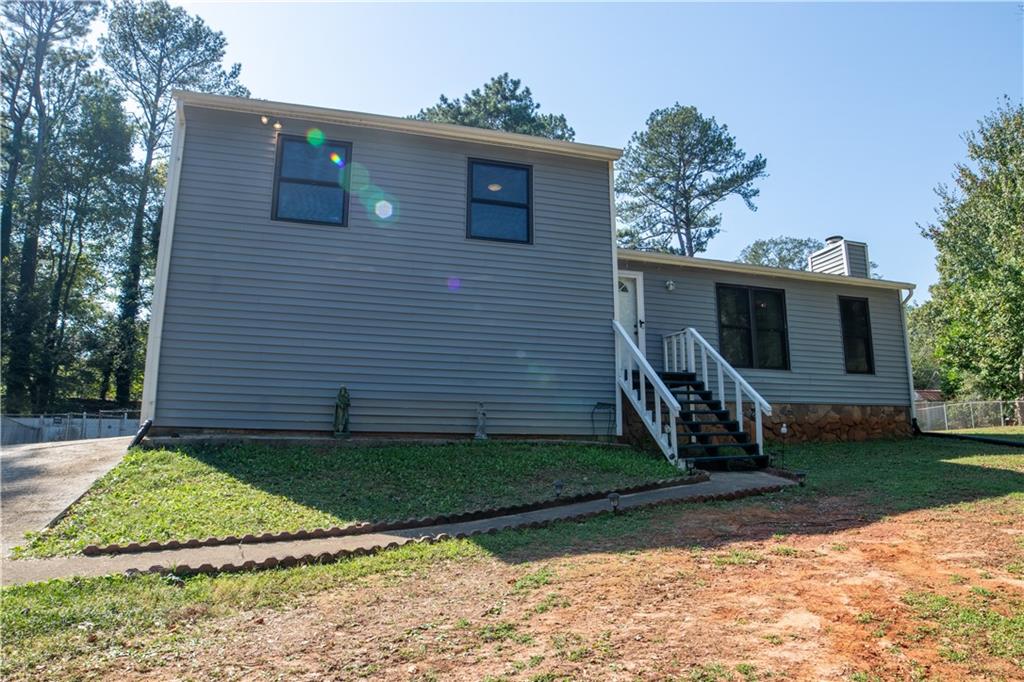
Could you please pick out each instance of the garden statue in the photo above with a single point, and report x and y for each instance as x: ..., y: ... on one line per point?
x: 341, y: 406
x: 481, y: 423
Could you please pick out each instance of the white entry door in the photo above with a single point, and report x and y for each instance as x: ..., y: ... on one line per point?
x: 631, y: 306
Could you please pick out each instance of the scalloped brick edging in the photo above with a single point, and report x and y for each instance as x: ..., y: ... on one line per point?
x: 290, y: 560
x: 380, y: 526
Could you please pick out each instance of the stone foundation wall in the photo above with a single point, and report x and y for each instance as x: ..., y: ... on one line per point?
x: 804, y: 422
x: 832, y: 423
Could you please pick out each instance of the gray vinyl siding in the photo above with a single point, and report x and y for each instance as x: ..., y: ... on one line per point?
x: 817, y: 371
x: 265, y: 319
x: 858, y: 257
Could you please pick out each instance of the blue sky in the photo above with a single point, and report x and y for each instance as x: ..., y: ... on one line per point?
x: 858, y: 108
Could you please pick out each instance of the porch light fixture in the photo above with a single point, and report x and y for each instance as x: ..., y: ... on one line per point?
x: 264, y: 119
x: 670, y: 285
x: 278, y: 125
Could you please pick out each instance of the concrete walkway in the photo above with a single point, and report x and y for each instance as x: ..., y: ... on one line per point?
x: 270, y: 554
x: 38, y: 481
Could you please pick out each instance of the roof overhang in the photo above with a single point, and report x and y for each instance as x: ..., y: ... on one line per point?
x: 397, y: 124
x: 760, y: 270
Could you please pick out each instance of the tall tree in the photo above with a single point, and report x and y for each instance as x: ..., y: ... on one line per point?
x: 89, y: 182
x: 979, y: 236
x: 672, y: 176
x: 502, y: 104
x: 152, y: 49
x: 780, y: 252
x: 41, y: 28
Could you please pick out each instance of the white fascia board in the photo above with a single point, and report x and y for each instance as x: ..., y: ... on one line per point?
x: 397, y: 124
x: 746, y: 269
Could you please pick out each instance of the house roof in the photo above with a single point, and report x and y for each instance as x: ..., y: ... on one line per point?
x: 397, y: 124
x: 744, y: 268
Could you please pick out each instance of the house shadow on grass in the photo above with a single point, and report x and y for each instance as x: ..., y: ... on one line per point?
x: 848, y: 485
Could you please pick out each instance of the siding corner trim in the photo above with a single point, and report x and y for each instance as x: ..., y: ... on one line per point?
x: 163, y: 267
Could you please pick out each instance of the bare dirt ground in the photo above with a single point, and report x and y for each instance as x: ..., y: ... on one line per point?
x: 706, y: 593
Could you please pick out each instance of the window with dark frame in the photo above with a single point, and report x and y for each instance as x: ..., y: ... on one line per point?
x: 855, y: 320
x: 310, y: 181
x: 498, y: 201
x: 752, y: 327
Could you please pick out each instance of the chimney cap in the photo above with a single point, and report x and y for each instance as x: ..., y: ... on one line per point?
x: 833, y: 239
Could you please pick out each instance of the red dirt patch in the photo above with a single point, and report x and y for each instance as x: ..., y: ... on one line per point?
x: 820, y: 604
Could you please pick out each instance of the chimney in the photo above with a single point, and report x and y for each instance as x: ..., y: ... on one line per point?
x: 840, y: 257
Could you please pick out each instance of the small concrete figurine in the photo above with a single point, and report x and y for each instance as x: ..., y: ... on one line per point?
x: 481, y: 423
x: 341, y: 416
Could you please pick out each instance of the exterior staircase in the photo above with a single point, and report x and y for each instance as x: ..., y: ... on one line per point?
x: 690, y: 425
x: 707, y: 432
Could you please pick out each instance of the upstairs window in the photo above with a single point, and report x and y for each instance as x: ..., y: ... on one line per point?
x: 499, y: 202
x: 310, y: 181
x: 856, y: 324
x: 752, y: 327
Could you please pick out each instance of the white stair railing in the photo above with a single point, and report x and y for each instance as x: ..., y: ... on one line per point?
x: 688, y: 351
x: 633, y: 375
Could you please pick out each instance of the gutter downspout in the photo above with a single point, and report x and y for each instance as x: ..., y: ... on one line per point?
x: 906, y: 350
x: 163, y: 266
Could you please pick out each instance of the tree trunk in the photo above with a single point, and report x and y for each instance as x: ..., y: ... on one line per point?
x: 25, y: 314
x: 131, y: 291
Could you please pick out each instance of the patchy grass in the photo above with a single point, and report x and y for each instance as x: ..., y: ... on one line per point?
x: 70, y: 620
x: 196, y: 492
x: 1014, y: 433
x: 903, y: 475
x: 984, y: 623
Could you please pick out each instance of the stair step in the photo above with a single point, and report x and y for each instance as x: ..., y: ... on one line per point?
x: 747, y: 447
x: 706, y: 395
x: 740, y: 436
x: 732, y: 425
x: 677, y: 376
x: 718, y: 413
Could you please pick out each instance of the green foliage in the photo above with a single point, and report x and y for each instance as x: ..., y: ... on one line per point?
x: 76, y: 209
x: 780, y: 252
x: 672, y: 176
x: 153, y: 49
x: 979, y: 235
x: 502, y: 104
x: 923, y: 328
x: 198, y: 492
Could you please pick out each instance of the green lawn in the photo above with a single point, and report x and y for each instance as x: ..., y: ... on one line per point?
x: 1014, y: 433
x: 55, y: 620
x: 197, y: 492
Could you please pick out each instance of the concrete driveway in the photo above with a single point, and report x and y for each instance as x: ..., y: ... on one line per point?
x: 39, y: 480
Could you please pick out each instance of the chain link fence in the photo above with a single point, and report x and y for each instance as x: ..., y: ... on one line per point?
x: 972, y: 414
x: 44, y: 428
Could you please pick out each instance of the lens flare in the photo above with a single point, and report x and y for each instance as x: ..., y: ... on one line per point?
x: 315, y: 137
x: 337, y: 160
x: 384, y: 209
x: 454, y: 284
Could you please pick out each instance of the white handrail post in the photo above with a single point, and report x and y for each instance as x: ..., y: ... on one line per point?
x: 673, y: 437
x: 643, y: 394
x: 704, y: 366
x: 757, y: 428
x: 691, y: 367
x: 721, y: 379
x: 739, y: 404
